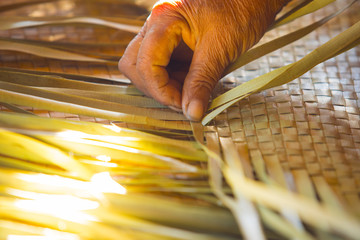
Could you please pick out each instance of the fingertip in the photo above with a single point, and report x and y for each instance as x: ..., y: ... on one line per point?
x: 195, y: 110
x: 168, y: 95
x: 195, y: 99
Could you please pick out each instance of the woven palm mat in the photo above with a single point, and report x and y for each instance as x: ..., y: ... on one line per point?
x: 307, y: 131
x: 305, y: 134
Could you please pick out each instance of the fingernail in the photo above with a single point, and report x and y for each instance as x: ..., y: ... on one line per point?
x: 195, y: 110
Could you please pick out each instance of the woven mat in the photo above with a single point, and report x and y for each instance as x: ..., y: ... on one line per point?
x: 308, y: 129
x: 304, y: 132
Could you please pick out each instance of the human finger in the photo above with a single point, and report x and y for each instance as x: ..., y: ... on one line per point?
x: 207, y: 66
x: 127, y: 63
x: 153, y: 58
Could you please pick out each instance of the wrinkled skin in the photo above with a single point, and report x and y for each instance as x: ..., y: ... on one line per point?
x: 185, y: 46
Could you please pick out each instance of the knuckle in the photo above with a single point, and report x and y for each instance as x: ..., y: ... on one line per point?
x: 204, y: 83
x: 205, y: 77
x: 164, y: 7
x: 142, y: 64
x: 224, y: 47
x: 166, y: 14
x: 213, y: 67
x: 166, y: 26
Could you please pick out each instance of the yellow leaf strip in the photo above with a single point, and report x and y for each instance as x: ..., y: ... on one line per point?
x: 85, y: 49
x: 52, y: 105
x: 313, y: 6
x: 7, y: 24
x: 74, y: 82
x: 21, y: 146
x: 164, y: 114
x: 86, y: 78
x: 47, y: 52
x: 137, y: 101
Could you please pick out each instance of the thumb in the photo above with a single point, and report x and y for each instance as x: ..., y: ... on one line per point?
x: 207, y: 66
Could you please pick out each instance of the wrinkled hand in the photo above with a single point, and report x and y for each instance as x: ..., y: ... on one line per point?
x: 185, y: 46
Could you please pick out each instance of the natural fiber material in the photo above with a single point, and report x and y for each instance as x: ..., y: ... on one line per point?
x: 299, y: 138
x: 307, y: 130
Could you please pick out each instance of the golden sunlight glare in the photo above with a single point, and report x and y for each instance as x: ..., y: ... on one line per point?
x: 100, y: 182
x: 47, y: 234
x: 34, y: 237
x: 66, y: 207
x: 103, y: 158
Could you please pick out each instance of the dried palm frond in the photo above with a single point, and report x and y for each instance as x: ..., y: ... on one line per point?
x: 145, y: 165
x: 172, y: 179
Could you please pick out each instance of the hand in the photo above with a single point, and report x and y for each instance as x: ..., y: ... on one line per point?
x: 185, y: 46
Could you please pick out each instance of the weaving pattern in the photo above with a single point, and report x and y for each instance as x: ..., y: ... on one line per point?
x: 309, y: 128
x: 303, y: 136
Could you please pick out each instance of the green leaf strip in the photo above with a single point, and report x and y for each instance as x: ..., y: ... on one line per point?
x: 345, y: 40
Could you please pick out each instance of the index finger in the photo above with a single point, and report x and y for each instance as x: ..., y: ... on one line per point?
x: 154, y: 55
